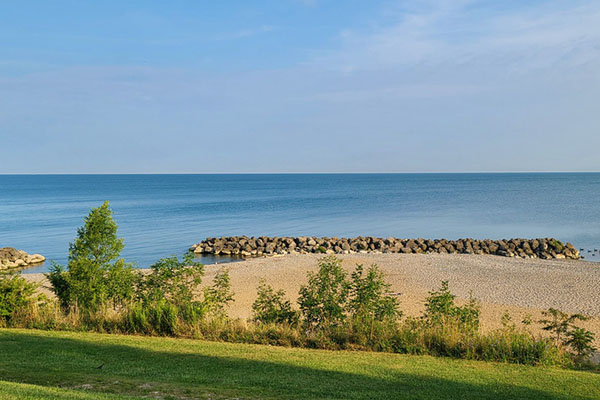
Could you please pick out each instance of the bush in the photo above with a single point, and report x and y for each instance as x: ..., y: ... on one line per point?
x: 566, y: 333
x: 271, y: 307
x: 16, y: 294
x: 559, y: 323
x: 369, y: 296
x: 580, y: 340
x: 358, y: 314
x: 171, y: 280
x: 440, y: 310
x: 95, y: 274
x: 167, y: 297
x: 218, y: 296
x: 372, y: 310
x: 323, y: 300
x: 168, y: 300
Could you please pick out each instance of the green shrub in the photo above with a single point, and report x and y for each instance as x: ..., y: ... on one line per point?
x: 16, y: 294
x: 357, y: 315
x: 369, y: 298
x: 372, y: 310
x: 581, y: 340
x: 440, y: 309
x: 218, y: 296
x: 95, y: 273
x: 323, y: 300
x: 171, y: 280
x: 271, y: 306
x: 167, y: 298
x: 559, y: 323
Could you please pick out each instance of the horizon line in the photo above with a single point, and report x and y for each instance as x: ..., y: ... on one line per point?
x: 296, y: 173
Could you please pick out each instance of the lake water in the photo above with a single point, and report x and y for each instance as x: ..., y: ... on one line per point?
x: 161, y: 215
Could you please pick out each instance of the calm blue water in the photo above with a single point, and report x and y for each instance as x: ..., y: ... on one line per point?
x: 160, y: 215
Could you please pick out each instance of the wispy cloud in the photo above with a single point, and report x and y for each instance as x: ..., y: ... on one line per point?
x: 474, y: 34
x: 431, y: 85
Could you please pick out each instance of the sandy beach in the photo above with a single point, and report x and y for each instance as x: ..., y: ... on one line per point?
x: 520, y: 286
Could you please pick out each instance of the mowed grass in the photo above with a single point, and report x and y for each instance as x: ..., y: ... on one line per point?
x: 64, y: 365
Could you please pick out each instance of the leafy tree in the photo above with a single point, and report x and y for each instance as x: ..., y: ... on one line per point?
x: 323, y: 300
x: 16, y: 293
x: 271, y: 306
x: 95, y: 273
x: 562, y: 326
x: 368, y: 295
x: 559, y: 323
x: 580, y: 340
x: 218, y: 296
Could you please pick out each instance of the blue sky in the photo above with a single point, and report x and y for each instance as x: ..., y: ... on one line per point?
x: 299, y: 86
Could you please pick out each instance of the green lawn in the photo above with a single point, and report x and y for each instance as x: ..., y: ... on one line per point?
x: 63, y: 365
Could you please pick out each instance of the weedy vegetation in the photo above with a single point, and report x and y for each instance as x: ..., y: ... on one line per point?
x: 98, y: 291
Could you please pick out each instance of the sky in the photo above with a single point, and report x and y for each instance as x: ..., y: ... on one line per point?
x: 299, y: 86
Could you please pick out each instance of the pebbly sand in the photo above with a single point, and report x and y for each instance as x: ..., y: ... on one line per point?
x: 519, y: 286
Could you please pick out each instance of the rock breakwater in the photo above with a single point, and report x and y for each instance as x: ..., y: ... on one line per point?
x: 243, y: 246
x: 13, y: 258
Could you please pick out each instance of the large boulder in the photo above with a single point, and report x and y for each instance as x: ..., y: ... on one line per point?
x: 13, y: 258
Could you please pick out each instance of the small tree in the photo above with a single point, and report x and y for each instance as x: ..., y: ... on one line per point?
x: 16, y: 293
x: 368, y: 295
x: 580, y: 340
x: 218, y: 296
x: 271, y: 306
x: 95, y: 273
x: 566, y: 333
x: 323, y: 300
x: 559, y: 323
x: 440, y: 309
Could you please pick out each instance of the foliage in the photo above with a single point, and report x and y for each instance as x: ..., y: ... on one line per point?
x: 16, y: 293
x: 218, y: 296
x: 272, y: 306
x: 559, y: 323
x: 440, y: 309
x: 159, y: 317
x: 357, y: 314
x: 368, y: 295
x: 171, y: 280
x: 372, y: 310
x: 168, y: 300
x: 323, y: 300
x: 95, y: 273
x: 580, y: 340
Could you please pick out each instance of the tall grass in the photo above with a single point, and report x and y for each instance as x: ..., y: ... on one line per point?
x: 411, y: 336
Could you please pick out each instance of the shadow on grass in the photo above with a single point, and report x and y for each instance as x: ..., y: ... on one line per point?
x: 37, y: 358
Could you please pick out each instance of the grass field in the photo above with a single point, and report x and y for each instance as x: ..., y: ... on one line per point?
x: 64, y: 365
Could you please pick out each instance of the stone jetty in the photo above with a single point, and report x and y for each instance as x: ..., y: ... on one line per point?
x: 243, y: 246
x: 13, y: 258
